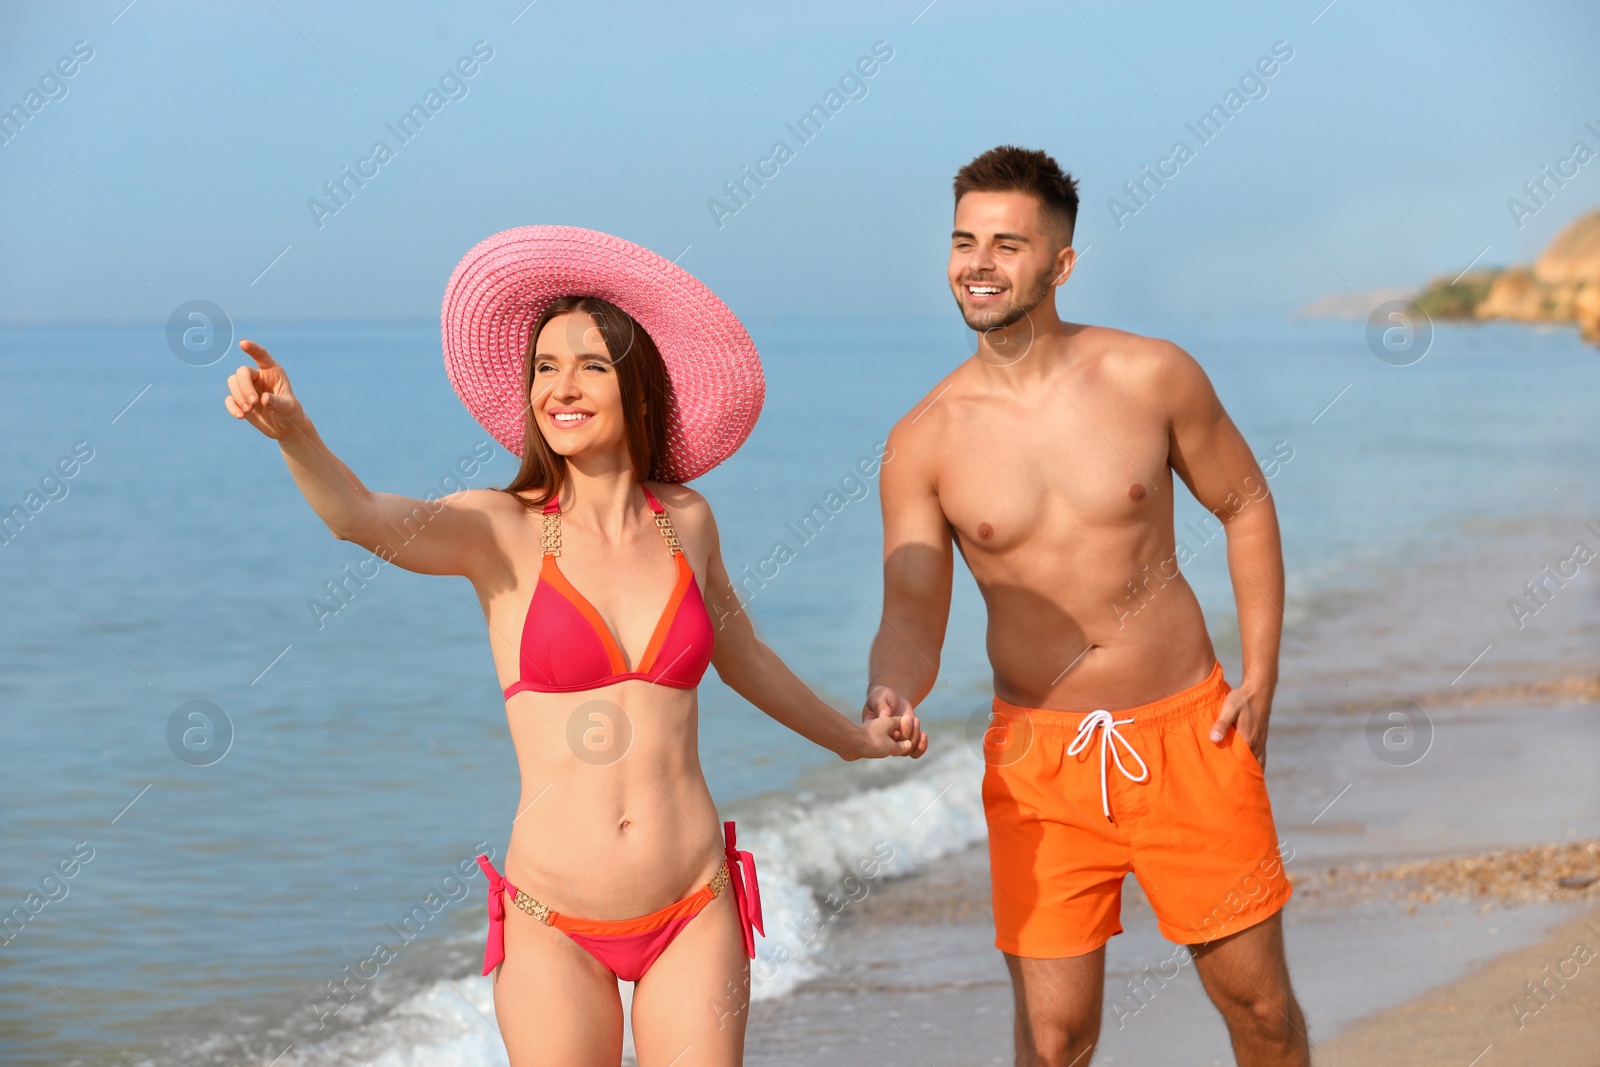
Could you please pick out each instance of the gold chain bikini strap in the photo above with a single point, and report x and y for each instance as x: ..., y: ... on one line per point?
x: 668, y: 534
x: 552, y: 533
x: 533, y: 907
x: 541, y: 911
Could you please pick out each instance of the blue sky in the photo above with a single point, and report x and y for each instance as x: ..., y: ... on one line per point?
x: 179, y: 163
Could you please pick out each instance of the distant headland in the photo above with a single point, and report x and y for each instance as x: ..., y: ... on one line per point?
x: 1562, y: 286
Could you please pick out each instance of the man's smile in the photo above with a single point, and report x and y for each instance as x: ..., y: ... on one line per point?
x: 982, y: 292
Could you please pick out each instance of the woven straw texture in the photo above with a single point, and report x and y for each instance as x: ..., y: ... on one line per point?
x: 499, y: 288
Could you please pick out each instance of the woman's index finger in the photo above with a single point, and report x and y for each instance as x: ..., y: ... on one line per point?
x: 262, y: 357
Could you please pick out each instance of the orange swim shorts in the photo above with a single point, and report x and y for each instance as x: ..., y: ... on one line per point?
x: 1076, y: 800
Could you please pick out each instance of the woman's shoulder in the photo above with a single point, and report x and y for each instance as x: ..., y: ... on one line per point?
x: 489, y: 501
x: 495, y: 506
x: 689, y: 510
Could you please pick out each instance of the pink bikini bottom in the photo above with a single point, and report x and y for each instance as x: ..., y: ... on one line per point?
x: 627, y: 947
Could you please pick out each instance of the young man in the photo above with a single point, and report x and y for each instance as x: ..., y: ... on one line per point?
x: 1115, y: 744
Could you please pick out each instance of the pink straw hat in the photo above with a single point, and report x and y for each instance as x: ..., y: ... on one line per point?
x: 499, y: 288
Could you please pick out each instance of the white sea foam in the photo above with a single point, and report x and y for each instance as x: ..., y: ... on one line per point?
x: 814, y: 858
x: 449, y: 1024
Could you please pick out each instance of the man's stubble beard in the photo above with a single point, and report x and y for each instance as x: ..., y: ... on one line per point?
x: 1019, y: 309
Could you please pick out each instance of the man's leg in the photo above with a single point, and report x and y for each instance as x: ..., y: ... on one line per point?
x: 1057, y: 1008
x: 1247, y: 978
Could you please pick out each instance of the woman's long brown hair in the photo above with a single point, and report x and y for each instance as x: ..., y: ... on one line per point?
x: 641, y: 378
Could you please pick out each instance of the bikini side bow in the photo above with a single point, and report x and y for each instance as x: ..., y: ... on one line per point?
x: 746, y: 890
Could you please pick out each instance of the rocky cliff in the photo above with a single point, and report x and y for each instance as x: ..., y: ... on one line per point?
x: 1563, y: 285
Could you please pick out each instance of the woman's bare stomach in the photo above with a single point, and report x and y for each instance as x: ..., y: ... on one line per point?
x: 615, y: 819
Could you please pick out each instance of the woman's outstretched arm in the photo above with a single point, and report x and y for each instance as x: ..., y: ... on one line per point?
x: 755, y: 672
x: 443, y: 536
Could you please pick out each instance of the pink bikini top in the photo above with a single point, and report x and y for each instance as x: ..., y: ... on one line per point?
x: 567, y: 647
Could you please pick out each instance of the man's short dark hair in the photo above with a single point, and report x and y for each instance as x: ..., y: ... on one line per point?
x: 1009, y: 169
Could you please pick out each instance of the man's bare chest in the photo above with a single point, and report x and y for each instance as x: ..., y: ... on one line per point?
x: 1005, y: 479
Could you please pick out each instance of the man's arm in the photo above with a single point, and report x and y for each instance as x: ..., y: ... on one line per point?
x: 917, y: 564
x: 1214, y: 461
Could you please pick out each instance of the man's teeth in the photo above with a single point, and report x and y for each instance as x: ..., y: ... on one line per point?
x: 983, y: 290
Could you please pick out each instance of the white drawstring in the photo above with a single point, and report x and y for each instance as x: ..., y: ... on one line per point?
x: 1109, y: 738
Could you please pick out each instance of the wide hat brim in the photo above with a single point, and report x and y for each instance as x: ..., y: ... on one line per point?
x: 505, y: 282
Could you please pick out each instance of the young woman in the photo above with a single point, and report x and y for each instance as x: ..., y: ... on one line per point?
x: 602, y: 583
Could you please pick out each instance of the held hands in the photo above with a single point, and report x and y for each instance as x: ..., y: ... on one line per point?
x: 1245, y: 710
x: 890, y: 725
x: 261, y: 394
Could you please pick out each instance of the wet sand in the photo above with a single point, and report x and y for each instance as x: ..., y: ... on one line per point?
x: 1537, y: 1005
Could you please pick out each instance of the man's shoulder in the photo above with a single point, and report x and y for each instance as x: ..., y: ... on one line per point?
x: 1135, y: 354
x: 1160, y: 374
x: 928, y: 417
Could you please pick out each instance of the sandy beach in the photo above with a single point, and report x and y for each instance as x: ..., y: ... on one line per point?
x: 1494, y: 1015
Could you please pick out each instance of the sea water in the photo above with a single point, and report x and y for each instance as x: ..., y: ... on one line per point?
x: 230, y: 909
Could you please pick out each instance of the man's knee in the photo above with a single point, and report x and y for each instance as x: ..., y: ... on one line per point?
x: 1270, y: 1016
x: 1058, y: 1004
x: 1072, y: 1051
x: 1062, y: 1043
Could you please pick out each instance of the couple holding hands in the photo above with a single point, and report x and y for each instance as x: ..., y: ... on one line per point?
x: 1047, y: 458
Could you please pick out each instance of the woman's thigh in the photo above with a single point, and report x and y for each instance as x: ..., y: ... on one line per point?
x: 690, y: 1008
x: 555, y: 1003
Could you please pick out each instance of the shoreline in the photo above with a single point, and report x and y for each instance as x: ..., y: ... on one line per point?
x: 1550, y: 873
x: 907, y: 962
x: 1535, y: 1004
